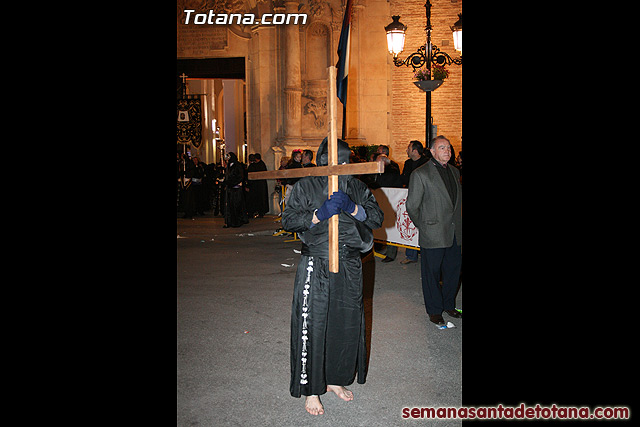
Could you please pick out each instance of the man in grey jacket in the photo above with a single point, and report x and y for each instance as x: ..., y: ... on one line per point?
x: 434, y: 204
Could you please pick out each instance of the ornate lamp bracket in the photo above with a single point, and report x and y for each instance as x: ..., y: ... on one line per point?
x: 419, y: 59
x: 439, y: 58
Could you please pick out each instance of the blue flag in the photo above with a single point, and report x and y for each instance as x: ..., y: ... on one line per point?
x: 343, y: 55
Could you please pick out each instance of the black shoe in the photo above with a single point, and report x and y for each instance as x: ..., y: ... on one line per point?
x: 387, y: 259
x: 437, y: 319
x: 453, y: 313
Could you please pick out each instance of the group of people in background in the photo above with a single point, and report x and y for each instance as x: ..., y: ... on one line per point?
x: 197, y: 188
x: 299, y: 159
x: 222, y: 188
x: 417, y: 155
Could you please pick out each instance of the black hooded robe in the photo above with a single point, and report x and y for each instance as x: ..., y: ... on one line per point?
x: 327, y: 316
x: 235, y: 213
x: 258, y: 196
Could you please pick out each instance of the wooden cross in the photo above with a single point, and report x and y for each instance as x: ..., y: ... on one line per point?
x: 332, y: 170
x: 184, y: 77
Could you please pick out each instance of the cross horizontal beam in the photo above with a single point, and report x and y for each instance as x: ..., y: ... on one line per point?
x: 346, y: 169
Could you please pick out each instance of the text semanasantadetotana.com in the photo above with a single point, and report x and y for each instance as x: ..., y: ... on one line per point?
x: 519, y: 412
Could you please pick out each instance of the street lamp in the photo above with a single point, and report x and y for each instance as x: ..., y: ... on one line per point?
x: 395, y: 36
x: 457, y: 34
x: 426, y: 55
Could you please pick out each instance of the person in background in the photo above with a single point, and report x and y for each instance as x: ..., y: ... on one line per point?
x: 383, y: 149
x: 307, y: 159
x: 295, y: 162
x: 209, y: 186
x: 263, y: 191
x: 257, y: 197
x: 389, y: 178
x: 189, y: 205
x: 196, y: 186
x: 235, y: 212
x: 417, y: 158
x: 219, y: 193
x: 434, y: 204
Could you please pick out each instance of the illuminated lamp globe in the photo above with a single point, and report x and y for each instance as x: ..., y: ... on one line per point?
x: 457, y: 34
x: 395, y: 36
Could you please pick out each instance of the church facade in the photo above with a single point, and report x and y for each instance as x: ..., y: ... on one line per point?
x: 265, y: 84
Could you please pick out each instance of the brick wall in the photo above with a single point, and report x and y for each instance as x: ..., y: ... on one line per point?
x: 407, y: 101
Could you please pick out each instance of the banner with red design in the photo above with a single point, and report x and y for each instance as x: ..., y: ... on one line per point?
x: 397, y: 226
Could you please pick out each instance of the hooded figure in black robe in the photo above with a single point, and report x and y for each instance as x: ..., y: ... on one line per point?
x: 327, y: 316
x: 258, y: 196
x: 235, y: 214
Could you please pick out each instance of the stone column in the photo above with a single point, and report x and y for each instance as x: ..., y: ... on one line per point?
x: 293, y: 86
x: 232, y: 137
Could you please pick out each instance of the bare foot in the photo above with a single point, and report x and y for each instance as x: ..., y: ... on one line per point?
x: 313, y: 405
x: 342, y: 392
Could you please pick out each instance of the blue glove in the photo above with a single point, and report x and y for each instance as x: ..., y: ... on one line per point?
x: 345, y: 201
x: 329, y: 208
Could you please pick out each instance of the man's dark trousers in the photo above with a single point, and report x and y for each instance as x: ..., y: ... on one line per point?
x: 433, y: 262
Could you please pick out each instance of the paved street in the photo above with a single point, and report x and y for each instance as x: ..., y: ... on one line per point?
x: 234, y: 305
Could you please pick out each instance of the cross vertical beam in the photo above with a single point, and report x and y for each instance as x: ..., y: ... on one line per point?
x: 332, y: 145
